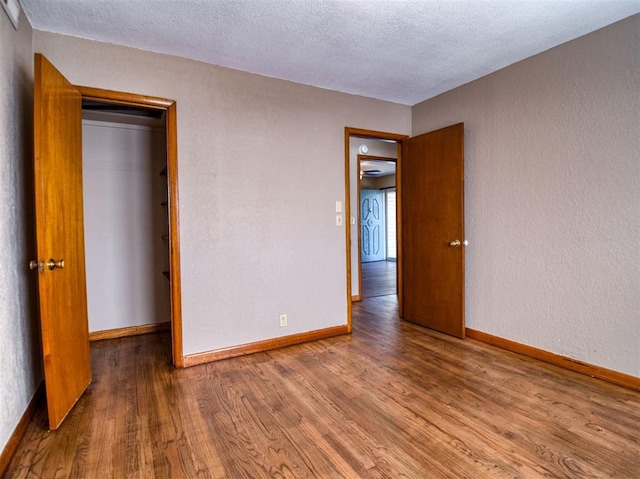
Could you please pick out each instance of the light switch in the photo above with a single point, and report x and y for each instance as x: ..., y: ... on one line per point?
x: 338, y: 206
x: 338, y: 220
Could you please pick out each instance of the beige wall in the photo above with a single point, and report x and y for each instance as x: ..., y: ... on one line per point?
x: 20, y: 370
x: 378, y: 183
x: 257, y: 240
x: 552, y: 197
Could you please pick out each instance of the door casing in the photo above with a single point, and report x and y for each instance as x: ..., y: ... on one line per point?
x: 378, y: 135
x: 170, y: 107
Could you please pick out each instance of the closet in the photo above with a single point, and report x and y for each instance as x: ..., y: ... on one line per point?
x: 125, y: 217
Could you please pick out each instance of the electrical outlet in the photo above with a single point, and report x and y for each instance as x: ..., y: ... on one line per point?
x: 283, y: 320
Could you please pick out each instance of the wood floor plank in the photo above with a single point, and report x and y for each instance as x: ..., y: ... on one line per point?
x: 391, y: 400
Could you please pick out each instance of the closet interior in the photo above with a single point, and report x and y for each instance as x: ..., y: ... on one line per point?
x: 125, y: 216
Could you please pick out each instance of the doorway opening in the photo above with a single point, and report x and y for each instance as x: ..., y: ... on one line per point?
x: 430, y: 225
x: 355, y: 138
x: 125, y: 219
x: 377, y: 218
x: 138, y: 195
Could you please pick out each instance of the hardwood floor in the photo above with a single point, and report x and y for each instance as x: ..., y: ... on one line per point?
x: 378, y: 279
x: 391, y: 400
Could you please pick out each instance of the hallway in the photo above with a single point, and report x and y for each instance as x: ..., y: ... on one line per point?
x: 379, y: 279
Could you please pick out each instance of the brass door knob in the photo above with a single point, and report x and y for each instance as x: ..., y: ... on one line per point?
x: 39, y: 265
x: 456, y: 243
x: 52, y: 264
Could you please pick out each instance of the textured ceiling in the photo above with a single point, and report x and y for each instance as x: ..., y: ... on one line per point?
x: 404, y: 51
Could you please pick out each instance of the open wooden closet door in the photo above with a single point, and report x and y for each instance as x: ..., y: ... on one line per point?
x: 60, y: 262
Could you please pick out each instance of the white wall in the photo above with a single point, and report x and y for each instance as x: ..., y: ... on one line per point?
x: 552, y: 197
x: 124, y: 222
x: 20, y: 363
x: 376, y: 148
x: 257, y: 240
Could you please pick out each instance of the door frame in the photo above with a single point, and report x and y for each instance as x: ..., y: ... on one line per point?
x: 170, y: 107
x: 359, y: 217
x: 350, y: 132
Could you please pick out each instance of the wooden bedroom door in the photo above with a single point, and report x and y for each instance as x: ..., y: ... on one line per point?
x: 433, y: 230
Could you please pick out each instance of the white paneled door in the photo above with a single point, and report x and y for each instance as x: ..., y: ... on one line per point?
x: 372, y: 224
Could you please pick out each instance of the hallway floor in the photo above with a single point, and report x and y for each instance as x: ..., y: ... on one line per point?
x: 378, y: 278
